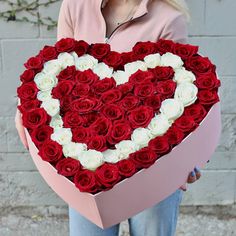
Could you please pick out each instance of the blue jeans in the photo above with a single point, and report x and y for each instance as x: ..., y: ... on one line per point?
x: 159, y: 220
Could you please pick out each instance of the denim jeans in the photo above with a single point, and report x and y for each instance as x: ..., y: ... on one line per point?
x: 159, y: 220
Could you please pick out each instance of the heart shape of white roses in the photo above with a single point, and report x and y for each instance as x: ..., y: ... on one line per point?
x: 171, y: 108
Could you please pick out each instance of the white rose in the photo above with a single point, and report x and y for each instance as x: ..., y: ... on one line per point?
x: 152, y: 60
x: 103, y: 70
x: 141, y: 137
x: 91, y: 159
x: 182, y: 75
x: 172, y: 108
x: 51, y: 106
x: 170, y: 59
x: 62, y: 136
x: 186, y: 93
x: 45, y: 81
x: 74, y: 149
x: 66, y: 59
x: 85, y: 62
x: 159, y: 125
x: 52, y: 67
x: 120, y: 77
x: 111, y: 156
x: 126, y: 147
x: 132, y: 67
x: 56, y: 122
x: 44, y: 95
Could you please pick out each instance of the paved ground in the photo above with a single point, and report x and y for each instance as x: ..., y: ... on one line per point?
x: 53, y: 221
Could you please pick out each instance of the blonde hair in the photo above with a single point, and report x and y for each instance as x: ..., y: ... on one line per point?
x: 179, y: 5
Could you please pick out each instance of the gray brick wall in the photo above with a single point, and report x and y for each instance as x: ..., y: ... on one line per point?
x: 212, y: 27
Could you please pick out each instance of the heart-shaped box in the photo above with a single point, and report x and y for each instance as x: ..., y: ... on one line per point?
x: 107, y: 203
x: 144, y: 189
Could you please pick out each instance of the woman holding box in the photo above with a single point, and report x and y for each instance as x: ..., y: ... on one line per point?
x: 122, y: 23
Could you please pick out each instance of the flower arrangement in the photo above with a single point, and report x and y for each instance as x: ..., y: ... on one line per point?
x: 99, y: 116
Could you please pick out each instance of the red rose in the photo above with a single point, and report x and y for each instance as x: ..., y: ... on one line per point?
x: 111, y: 96
x: 35, y: 118
x: 99, y: 50
x: 126, y: 167
x: 34, y: 63
x: 143, y: 158
x: 142, y: 49
x: 108, y: 175
x: 186, y: 123
x: 67, y: 74
x: 27, y: 91
x: 185, y: 50
x: 153, y: 101
x: 65, y: 45
x: 129, y: 102
x: 48, y: 53
x: 41, y: 134
x: 85, y: 181
x: 27, y: 76
x: 143, y: 90
x: 199, y: 65
x: 72, y: 120
x: 208, y: 97
x: 86, y: 76
x: 50, y: 151
x: 81, y: 134
x: 84, y: 105
x: 163, y: 73
x: 89, y: 118
x: 81, y: 47
x: 101, y: 126
x: 160, y: 145
x: 62, y: 89
x: 112, y: 112
x: 166, y: 88
x: 164, y: 46
x: 140, y: 117
x: 28, y: 105
x: 141, y: 77
x: 174, y: 135
x: 196, y: 111
x: 104, y: 85
x: 121, y: 130
x: 65, y: 103
x: 127, y: 57
x: 125, y: 88
x: 68, y: 166
x: 81, y: 90
x: 207, y: 81
x: 97, y: 142
x: 113, y: 59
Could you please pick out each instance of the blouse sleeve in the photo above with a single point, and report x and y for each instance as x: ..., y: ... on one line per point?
x: 64, y: 26
x: 19, y: 127
x: 176, y: 30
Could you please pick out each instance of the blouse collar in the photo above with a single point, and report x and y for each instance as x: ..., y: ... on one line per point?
x: 142, y: 8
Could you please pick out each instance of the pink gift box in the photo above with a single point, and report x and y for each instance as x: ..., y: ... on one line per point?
x: 146, y: 187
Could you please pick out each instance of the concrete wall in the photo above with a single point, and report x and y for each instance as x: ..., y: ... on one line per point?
x: 212, y: 27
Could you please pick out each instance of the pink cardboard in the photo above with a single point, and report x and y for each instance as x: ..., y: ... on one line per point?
x: 145, y: 188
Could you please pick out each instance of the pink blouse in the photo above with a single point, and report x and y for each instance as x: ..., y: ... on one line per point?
x: 153, y: 19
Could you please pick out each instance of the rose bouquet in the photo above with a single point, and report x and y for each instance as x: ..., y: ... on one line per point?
x: 99, y: 116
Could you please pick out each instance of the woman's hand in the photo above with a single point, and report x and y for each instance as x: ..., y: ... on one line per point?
x: 20, y: 129
x: 193, y: 176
